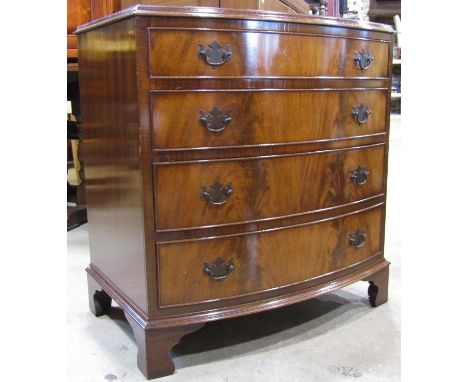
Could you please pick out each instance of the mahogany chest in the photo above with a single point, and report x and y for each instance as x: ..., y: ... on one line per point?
x: 235, y: 162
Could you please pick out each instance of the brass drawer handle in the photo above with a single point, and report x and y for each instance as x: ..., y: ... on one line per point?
x: 218, y: 270
x: 215, y: 54
x: 358, y: 238
x: 217, y: 194
x: 359, y: 175
x: 361, y: 113
x: 363, y: 59
x: 215, y: 120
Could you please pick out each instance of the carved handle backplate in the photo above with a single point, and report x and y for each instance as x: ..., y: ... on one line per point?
x: 359, y: 175
x: 217, y: 194
x: 215, y: 54
x: 358, y: 238
x: 219, y: 269
x: 361, y: 113
x: 215, y: 120
x: 363, y: 59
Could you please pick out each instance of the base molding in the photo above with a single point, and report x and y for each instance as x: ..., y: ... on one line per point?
x: 155, y: 337
x: 376, y: 273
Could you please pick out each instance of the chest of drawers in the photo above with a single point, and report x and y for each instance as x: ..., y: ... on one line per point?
x: 235, y: 162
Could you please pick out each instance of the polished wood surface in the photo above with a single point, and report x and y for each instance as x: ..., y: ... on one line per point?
x: 154, y: 347
x: 297, y: 116
x: 264, y: 188
x: 288, y: 152
x: 111, y: 156
x: 263, y: 261
x: 206, y: 15
x: 293, y: 55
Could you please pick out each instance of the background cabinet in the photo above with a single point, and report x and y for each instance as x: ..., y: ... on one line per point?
x: 78, y: 13
x: 82, y: 11
x: 389, y: 12
x: 287, y: 6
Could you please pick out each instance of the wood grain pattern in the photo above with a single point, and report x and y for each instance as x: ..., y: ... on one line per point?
x: 263, y: 188
x: 78, y: 13
x: 255, y: 52
x: 297, y: 116
x: 263, y: 261
x: 150, y: 230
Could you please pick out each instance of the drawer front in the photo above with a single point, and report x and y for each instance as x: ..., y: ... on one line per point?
x: 222, y: 192
x: 206, y: 270
x: 217, y: 119
x: 176, y: 53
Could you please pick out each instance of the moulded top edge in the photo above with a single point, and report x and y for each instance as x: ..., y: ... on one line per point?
x: 224, y: 13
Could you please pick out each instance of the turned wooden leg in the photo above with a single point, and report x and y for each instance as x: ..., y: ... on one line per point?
x: 99, y: 301
x: 154, y: 347
x: 378, y: 287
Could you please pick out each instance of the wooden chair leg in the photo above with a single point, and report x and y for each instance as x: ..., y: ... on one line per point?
x: 378, y: 287
x: 154, y: 347
x: 99, y: 301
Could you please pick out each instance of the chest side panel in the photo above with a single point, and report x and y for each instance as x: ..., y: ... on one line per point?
x: 108, y: 90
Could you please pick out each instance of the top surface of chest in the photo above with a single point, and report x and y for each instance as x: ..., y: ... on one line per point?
x: 225, y: 44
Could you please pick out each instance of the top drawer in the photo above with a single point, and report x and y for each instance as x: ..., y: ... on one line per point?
x: 195, y: 53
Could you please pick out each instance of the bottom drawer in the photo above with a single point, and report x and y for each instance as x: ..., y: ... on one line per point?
x: 212, y: 269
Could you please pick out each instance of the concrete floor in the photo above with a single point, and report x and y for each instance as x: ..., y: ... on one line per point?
x: 336, y: 337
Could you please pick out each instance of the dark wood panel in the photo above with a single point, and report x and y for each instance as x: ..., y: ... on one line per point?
x: 296, y: 116
x: 176, y: 3
x: 263, y: 188
x: 263, y: 261
x: 111, y: 153
x: 253, y: 54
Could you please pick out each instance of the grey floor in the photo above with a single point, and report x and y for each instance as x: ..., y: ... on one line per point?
x: 336, y: 337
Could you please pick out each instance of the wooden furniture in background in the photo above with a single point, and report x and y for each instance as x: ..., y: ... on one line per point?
x: 293, y: 6
x: 79, y: 12
x: 383, y: 10
x: 82, y: 11
x: 389, y: 12
x: 236, y: 162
